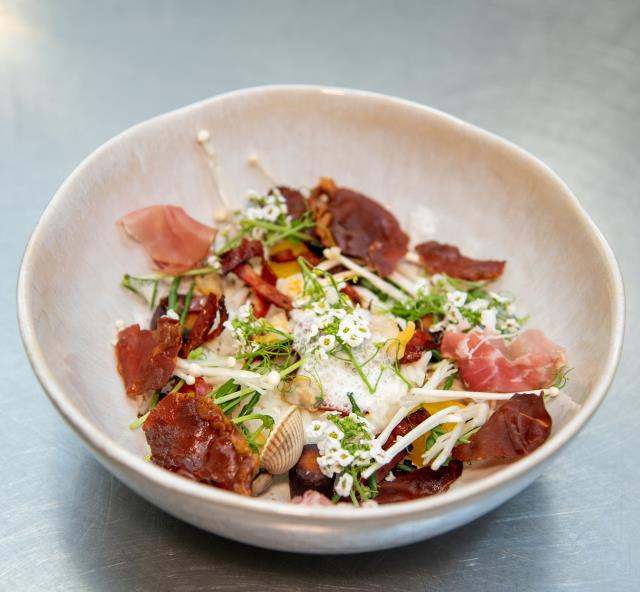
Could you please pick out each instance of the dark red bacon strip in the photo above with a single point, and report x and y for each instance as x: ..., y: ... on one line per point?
x: 296, y: 204
x: 519, y: 426
x: 440, y: 258
x: 190, y: 435
x: 146, y: 359
x: 420, y: 483
x: 175, y: 241
x: 360, y: 226
x: 420, y: 342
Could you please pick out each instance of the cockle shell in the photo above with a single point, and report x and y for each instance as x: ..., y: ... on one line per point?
x: 284, y: 445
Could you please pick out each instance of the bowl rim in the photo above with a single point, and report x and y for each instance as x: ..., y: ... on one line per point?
x: 105, y: 447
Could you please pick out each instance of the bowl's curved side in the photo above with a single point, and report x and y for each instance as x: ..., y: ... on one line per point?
x: 124, y: 172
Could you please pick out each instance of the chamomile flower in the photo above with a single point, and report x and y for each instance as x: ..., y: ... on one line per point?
x: 343, y: 457
x: 511, y: 325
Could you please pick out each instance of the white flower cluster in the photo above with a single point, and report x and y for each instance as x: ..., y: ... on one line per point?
x: 457, y: 304
x: 335, y: 459
x: 314, y: 328
x: 268, y: 208
x: 241, y: 323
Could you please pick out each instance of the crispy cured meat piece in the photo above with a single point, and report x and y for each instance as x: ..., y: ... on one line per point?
x: 262, y: 288
x: 190, y: 435
x: 307, y: 476
x: 197, y: 304
x: 175, y: 241
x: 420, y: 342
x: 296, y: 204
x: 200, y: 331
x: 246, y: 250
x: 402, y: 429
x: 419, y: 483
x: 519, y: 426
x: 146, y: 358
x: 440, y: 258
x: 360, y: 226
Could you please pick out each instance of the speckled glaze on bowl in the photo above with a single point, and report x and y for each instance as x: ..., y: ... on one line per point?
x: 444, y: 178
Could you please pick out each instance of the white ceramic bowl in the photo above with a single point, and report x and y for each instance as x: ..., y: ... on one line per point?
x: 443, y: 178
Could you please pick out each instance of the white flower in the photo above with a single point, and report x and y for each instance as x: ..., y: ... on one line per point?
x: 440, y: 281
x: 478, y: 305
x: 378, y: 454
x: 453, y: 317
x: 329, y: 446
x: 344, y: 484
x: 390, y: 477
x: 511, y: 326
x: 327, y: 342
x: 361, y: 458
x: 457, y: 298
x: 343, y: 457
x: 316, y: 430
x: 214, y: 261
x: 328, y: 465
x: 320, y: 308
x: 501, y: 298
x: 244, y: 312
x: 335, y: 433
x: 488, y: 318
x: 338, y: 313
x: 271, y: 213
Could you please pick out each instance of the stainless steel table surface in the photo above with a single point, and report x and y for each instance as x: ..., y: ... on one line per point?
x: 562, y: 79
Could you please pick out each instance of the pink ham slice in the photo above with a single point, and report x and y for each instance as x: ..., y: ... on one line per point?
x: 175, y: 241
x: 530, y: 362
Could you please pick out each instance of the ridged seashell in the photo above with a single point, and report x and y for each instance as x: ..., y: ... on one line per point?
x: 261, y: 483
x: 284, y: 445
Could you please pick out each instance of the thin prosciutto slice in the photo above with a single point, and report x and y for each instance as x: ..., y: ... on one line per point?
x: 175, y: 241
x: 488, y: 364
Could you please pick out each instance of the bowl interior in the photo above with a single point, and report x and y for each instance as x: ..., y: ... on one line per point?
x: 443, y: 179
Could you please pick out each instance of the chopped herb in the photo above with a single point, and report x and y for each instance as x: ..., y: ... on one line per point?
x: 187, y: 304
x: 354, y: 406
x: 173, y: 293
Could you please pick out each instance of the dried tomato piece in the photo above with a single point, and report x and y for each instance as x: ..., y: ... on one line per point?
x: 420, y: 342
x: 246, y: 250
x: 296, y: 204
x: 441, y: 258
x: 199, y: 333
x: 190, y: 435
x: 351, y: 293
x: 307, y: 476
x: 419, y: 483
x: 262, y: 288
x: 223, y: 315
x: 519, y: 426
x: 360, y: 226
x: 146, y: 358
x: 402, y: 429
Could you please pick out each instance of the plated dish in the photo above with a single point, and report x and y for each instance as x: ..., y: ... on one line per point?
x: 422, y: 165
x: 305, y: 336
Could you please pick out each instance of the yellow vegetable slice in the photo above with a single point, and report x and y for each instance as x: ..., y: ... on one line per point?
x: 283, y: 270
